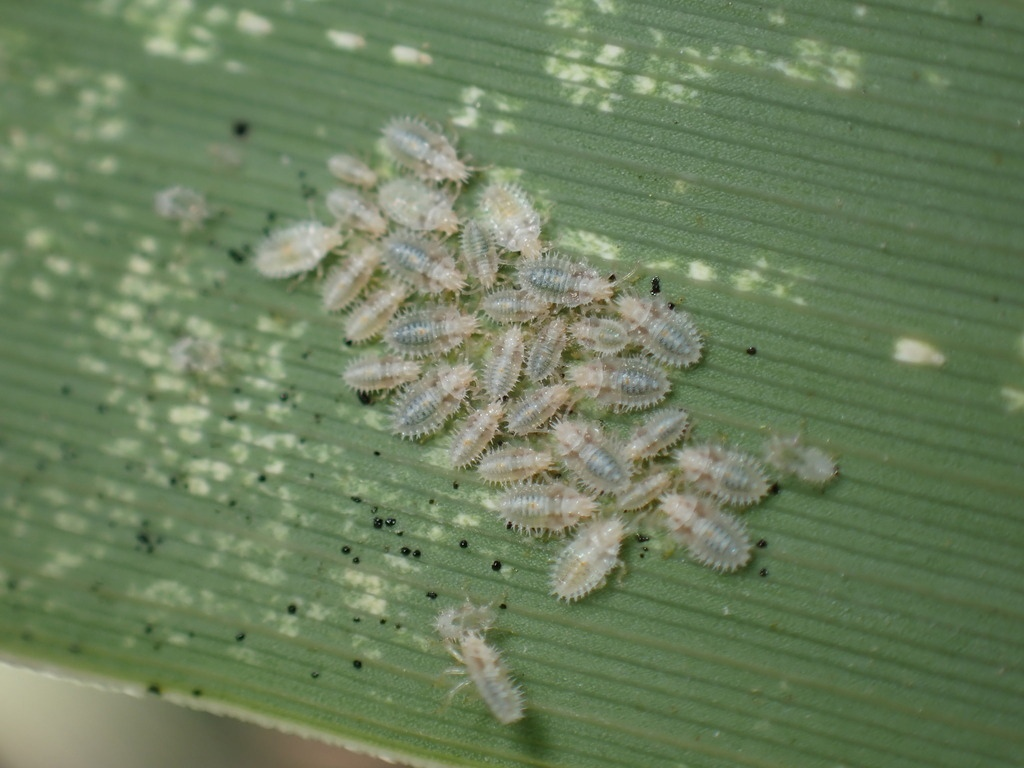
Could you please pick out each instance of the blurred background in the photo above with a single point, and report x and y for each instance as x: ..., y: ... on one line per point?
x: 50, y: 723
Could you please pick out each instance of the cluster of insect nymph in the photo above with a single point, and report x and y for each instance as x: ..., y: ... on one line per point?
x: 484, y: 324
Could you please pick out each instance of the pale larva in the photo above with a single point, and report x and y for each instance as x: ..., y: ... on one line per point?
x: 344, y: 282
x: 639, y: 493
x: 508, y: 305
x: 668, y: 335
x: 374, y: 373
x: 423, y: 150
x: 413, y: 204
x: 807, y: 462
x: 351, y: 209
x: 351, y: 170
x: 539, y: 508
x: 423, y: 407
x: 434, y: 329
x: 624, y: 383
x: 504, y: 365
x: 544, y: 351
x: 590, y: 456
x: 472, y: 436
x: 513, y: 463
x: 531, y: 411
x: 714, y: 538
x: 588, y: 558
x: 295, y: 249
x: 562, y: 281
x: 183, y: 205
x: 479, y: 254
x: 454, y: 623
x: 733, y: 477
x: 192, y: 355
x: 483, y: 666
x: 422, y: 262
x: 368, y: 319
x: 600, y: 335
x: 660, y: 430
x: 510, y: 218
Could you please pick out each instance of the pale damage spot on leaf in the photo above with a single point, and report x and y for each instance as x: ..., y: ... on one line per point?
x: 404, y: 54
x: 757, y: 279
x: 701, y: 271
x: 346, y: 41
x: 249, y: 23
x: 167, y: 592
x: 1013, y: 397
x: 170, y: 28
x: 474, y: 100
x: 583, y: 243
x: 815, y: 61
x: 60, y: 564
x: 917, y: 352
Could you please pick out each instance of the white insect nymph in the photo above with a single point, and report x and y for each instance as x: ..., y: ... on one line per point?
x: 295, y: 249
x: 790, y: 455
x: 563, y: 281
x: 351, y: 170
x: 454, y: 623
x: 511, y: 219
x: 424, y: 150
x: 714, y: 538
x: 733, y: 477
x: 484, y: 667
x: 424, y: 407
x: 586, y: 561
x: 411, y: 203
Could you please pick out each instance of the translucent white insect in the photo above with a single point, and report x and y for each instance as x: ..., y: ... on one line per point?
x: 345, y: 281
x: 433, y: 329
x: 413, y: 204
x: 472, y: 436
x: 588, y: 558
x: 422, y: 262
x: 423, y: 408
x: 368, y: 319
x: 544, y: 350
x: 600, y: 335
x: 540, y: 508
x: 511, y: 219
x: 668, y: 335
x: 531, y: 411
x: 733, y: 477
x: 504, y: 364
x: 478, y: 253
x: 484, y: 667
x: 790, y: 455
x: 183, y: 205
x: 351, y: 170
x: 454, y: 623
x: 191, y: 355
x: 424, y: 150
x: 624, y: 383
x: 375, y: 373
x: 714, y: 538
x: 295, y: 249
x: 513, y: 463
x: 639, y: 493
x: 508, y: 305
x: 591, y: 457
x: 660, y: 430
x: 352, y: 210
x: 563, y: 281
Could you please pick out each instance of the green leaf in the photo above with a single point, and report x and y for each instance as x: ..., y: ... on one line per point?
x: 825, y: 182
